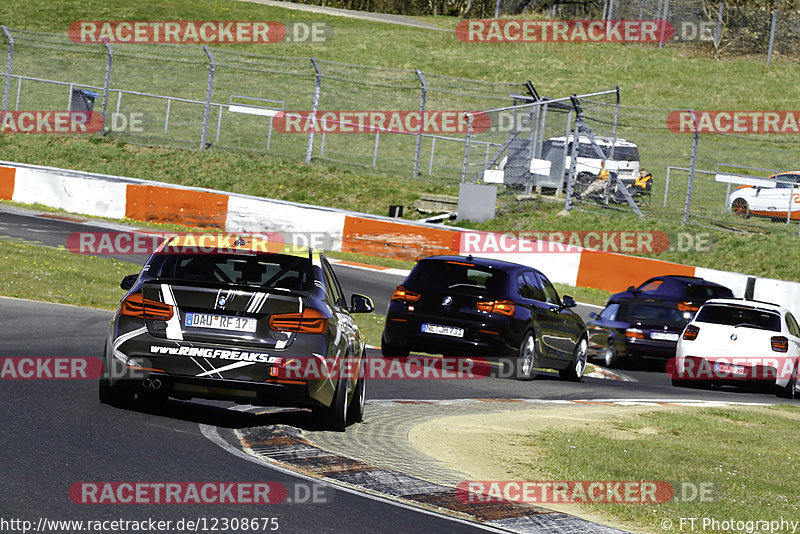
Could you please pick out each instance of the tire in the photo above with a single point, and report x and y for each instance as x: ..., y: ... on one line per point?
x: 577, y: 365
x: 355, y: 412
x: 740, y: 208
x: 393, y: 350
x: 525, y: 361
x: 679, y: 383
x: 611, y: 358
x: 333, y: 417
x: 116, y: 395
x: 792, y: 388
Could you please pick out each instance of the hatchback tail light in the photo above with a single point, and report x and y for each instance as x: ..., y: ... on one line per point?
x: 504, y: 307
x: 685, y: 306
x: 404, y: 295
x: 309, y: 321
x: 690, y: 334
x: 135, y: 305
x: 634, y: 333
x: 780, y: 344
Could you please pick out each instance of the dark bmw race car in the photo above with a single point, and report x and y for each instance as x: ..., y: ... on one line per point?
x: 465, y: 306
x: 229, y: 324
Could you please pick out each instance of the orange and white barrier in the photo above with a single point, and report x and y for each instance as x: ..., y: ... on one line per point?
x: 144, y: 200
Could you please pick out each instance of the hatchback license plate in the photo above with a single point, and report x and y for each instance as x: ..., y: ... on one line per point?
x: 442, y: 330
x: 220, y: 322
x: 665, y: 336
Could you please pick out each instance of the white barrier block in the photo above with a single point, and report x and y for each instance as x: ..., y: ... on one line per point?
x: 494, y: 176
x: 100, y: 198
x: 307, y: 223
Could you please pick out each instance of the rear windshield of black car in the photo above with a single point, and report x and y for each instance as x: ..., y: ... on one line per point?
x: 739, y: 316
x: 444, y: 275
x: 651, y: 312
x: 698, y: 293
x: 257, y: 270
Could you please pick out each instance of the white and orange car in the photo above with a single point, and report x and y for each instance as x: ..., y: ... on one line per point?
x: 773, y: 202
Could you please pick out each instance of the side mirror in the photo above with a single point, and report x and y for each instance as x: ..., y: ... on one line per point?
x: 568, y: 301
x: 592, y: 315
x: 361, y: 304
x: 128, y: 281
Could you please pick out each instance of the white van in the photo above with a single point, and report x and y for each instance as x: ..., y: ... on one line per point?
x: 621, y: 156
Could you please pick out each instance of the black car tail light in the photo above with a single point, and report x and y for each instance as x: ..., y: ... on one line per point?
x: 135, y: 305
x: 780, y: 344
x: 504, y: 307
x: 690, y: 334
x: 634, y: 333
x: 309, y: 321
x: 404, y: 295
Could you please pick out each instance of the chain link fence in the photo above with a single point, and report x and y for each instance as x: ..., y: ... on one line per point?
x: 198, y: 97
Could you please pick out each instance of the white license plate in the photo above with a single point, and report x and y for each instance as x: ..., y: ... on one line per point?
x: 665, y: 336
x: 442, y: 330
x: 729, y: 368
x: 220, y: 322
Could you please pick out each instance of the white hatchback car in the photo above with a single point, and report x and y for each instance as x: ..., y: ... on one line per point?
x: 736, y: 340
x: 773, y: 202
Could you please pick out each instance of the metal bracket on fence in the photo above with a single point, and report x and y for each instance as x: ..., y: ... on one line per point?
x: 314, y: 107
x: 107, y: 83
x: 422, y: 99
x: 207, y: 110
x: 7, y: 88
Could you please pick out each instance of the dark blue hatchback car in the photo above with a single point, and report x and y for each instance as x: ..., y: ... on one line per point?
x: 465, y: 306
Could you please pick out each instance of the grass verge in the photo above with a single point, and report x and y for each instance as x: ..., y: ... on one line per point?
x: 48, y: 274
x: 745, y: 453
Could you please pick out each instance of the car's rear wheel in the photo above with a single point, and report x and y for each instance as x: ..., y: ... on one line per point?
x: 334, y: 417
x: 577, y: 366
x: 355, y: 412
x: 792, y: 388
x: 112, y: 394
x: 526, y: 358
x: 393, y: 350
x: 610, y: 357
x: 741, y: 208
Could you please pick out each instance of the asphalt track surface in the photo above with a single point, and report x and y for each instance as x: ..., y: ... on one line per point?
x: 55, y: 432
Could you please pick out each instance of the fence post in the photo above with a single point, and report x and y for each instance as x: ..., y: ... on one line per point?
x: 534, y: 119
x: 690, y: 184
x: 107, y: 81
x: 207, y: 111
x: 422, y: 99
x: 572, y: 163
x: 666, y: 187
x: 497, y: 9
x: 772, y: 34
x: 641, y: 9
x: 718, y: 29
x: 616, y: 124
x: 7, y: 88
x: 314, y: 106
x: 664, y: 17
x: 559, y: 190
x: 466, y: 152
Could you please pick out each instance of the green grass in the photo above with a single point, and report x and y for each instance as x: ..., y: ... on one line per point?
x: 746, y: 453
x: 52, y: 275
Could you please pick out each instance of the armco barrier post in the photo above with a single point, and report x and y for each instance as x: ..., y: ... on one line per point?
x: 314, y: 107
x: 107, y: 81
x: 695, y: 141
x: 422, y: 99
x: 209, y: 90
x: 7, y: 88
